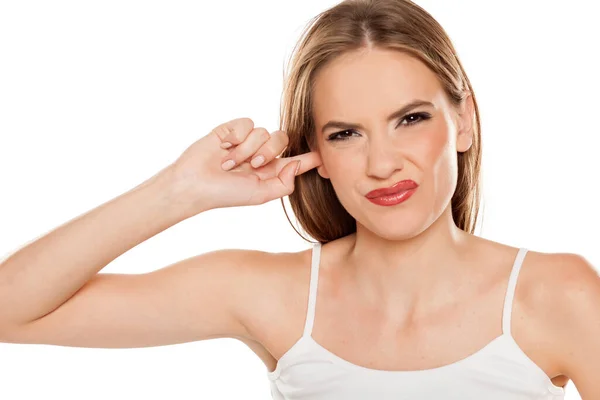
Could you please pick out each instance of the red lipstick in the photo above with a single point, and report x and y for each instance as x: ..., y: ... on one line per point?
x: 394, y: 194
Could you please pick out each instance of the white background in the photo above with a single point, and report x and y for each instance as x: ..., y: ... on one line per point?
x: 96, y: 97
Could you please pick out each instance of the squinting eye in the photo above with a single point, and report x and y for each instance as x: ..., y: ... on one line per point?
x: 419, y: 116
x: 336, y: 136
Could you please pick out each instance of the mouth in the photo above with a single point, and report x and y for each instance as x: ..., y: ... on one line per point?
x: 397, y: 188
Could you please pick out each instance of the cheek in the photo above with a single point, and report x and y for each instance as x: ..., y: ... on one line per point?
x: 342, y: 166
x: 442, y: 157
x: 437, y: 142
x: 438, y: 150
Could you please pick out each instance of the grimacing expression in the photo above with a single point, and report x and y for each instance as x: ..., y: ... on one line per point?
x: 362, y: 89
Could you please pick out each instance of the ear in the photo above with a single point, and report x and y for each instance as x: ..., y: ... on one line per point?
x: 321, y: 170
x: 466, y: 114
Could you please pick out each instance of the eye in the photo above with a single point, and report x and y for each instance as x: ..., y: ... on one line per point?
x: 421, y: 116
x: 338, y: 135
x: 411, y: 119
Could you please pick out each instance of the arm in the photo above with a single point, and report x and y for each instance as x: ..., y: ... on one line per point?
x: 40, y: 277
x: 51, y: 291
x: 202, y: 297
x: 575, y: 327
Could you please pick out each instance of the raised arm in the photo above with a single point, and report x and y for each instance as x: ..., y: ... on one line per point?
x: 51, y: 290
x: 40, y: 277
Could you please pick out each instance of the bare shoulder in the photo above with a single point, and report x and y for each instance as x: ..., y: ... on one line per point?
x: 554, y: 283
x: 218, y: 294
x: 559, y: 296
x: 274, y: 289
x: 275, y: 278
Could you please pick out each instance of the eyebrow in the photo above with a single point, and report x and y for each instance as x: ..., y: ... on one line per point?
x: 394, y: 115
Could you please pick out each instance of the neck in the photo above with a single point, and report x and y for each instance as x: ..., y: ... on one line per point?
x: 411, y: 276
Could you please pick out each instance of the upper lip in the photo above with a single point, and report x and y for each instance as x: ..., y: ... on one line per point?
x: 406, y: 184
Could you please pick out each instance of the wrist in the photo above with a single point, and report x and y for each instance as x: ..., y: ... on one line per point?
x: 175, y: 192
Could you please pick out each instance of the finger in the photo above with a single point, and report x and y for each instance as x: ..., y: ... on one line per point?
x: 248, y: 147
x: 271, y: 149
x: 278, y: 186
x: 309, y: 161
x: 234, y: 131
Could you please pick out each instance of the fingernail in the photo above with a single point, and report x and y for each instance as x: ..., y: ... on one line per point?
x: 226, y: 145
x: 297, y: 168
x: 227, y: 165
x: 257, y: 161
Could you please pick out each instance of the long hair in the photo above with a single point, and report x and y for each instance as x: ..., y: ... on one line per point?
x: 351, y: 25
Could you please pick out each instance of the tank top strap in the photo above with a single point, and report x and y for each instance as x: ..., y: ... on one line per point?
x: 510, y: 291
x: 312, y: 292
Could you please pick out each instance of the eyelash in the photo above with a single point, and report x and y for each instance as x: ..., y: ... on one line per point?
x: 422, y: 117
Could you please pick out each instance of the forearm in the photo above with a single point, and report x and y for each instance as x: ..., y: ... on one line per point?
x: 41, y: 276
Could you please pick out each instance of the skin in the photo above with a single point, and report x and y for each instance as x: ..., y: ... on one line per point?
x: 409, y: 278
x: 407, y: 282
x: 419, y: 232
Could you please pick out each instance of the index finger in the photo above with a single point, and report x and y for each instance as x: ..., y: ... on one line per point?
x: 308, y: 161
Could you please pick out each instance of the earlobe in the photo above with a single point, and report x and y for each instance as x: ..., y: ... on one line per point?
x: 322, y: 171
x: 464, y: 141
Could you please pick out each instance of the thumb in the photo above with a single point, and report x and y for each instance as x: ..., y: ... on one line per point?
x: 280, y: 185
x: 287, y: 176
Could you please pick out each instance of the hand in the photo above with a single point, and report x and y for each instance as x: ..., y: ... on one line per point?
x: 205, y: 184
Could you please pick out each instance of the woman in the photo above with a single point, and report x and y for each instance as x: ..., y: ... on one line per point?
x: 411, y: 305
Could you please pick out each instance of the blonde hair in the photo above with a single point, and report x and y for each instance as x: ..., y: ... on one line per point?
x: 351, y: 25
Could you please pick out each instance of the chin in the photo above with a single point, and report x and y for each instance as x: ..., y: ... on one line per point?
x: 399, y: 227
x: 395, y: 235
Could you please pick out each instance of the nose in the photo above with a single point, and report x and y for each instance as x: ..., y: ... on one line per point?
x: 383, y: 158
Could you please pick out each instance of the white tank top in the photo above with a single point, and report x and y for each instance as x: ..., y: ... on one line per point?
x: 498, y: 371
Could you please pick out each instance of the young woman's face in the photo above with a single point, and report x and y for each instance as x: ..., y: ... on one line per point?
x: 364, y: 88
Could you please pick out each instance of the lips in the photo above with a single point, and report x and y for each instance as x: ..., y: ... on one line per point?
x: 401, y: 186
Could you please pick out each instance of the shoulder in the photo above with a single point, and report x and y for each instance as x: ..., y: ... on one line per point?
x: 563, y: 291
x: 270, y: 283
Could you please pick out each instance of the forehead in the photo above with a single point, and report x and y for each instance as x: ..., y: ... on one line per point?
x: 357, y: 83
